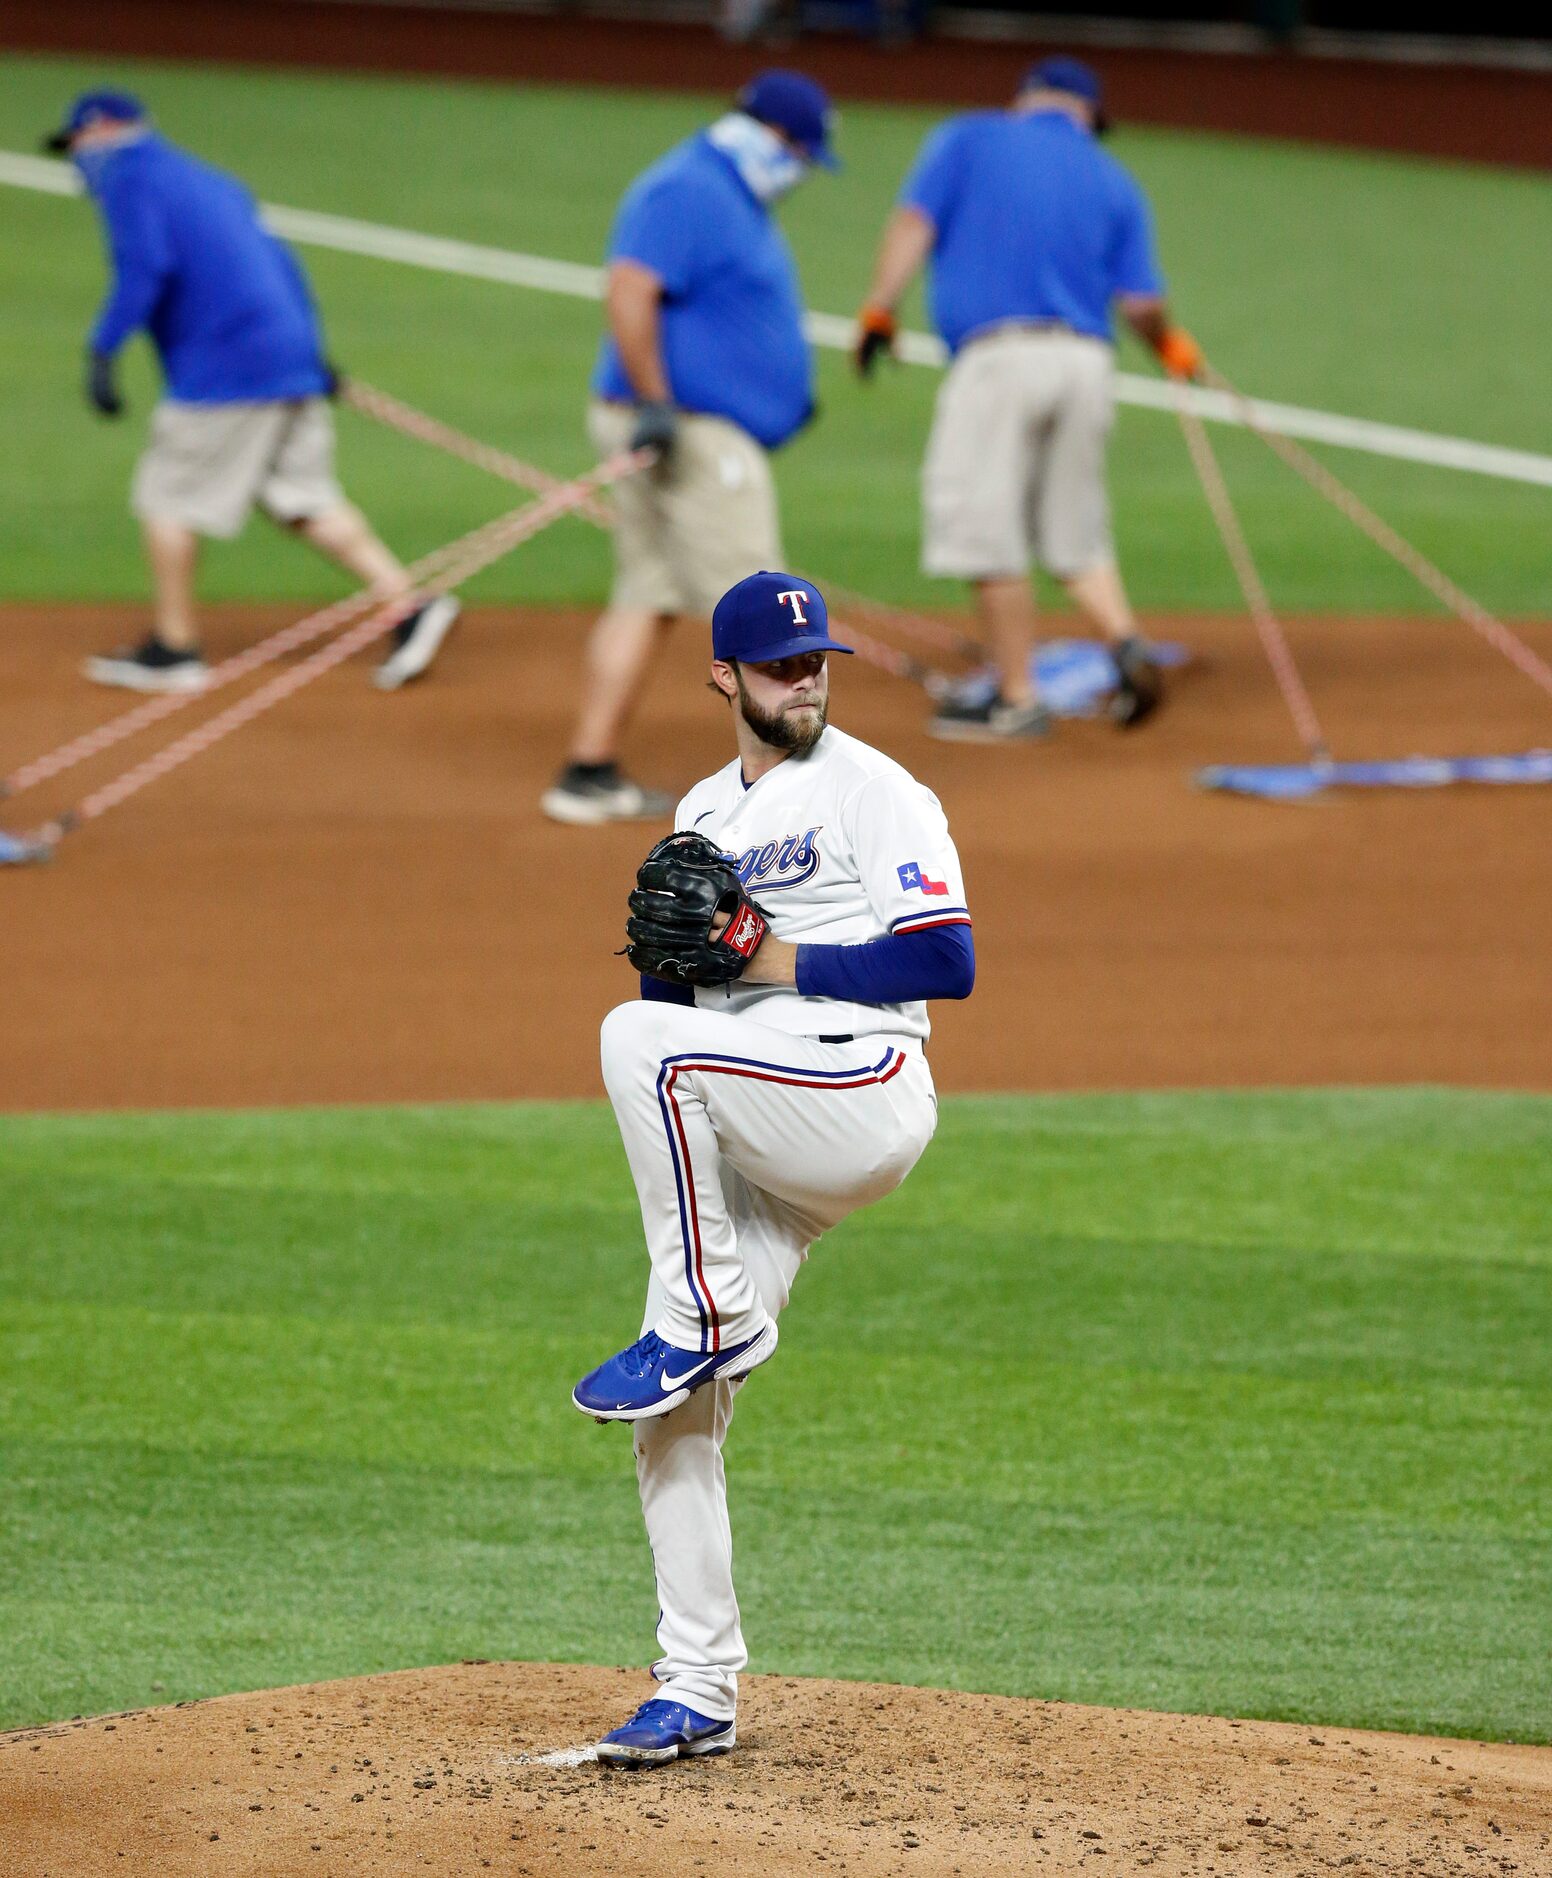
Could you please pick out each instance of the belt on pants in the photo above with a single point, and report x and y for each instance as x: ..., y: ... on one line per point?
x: 1058, y: 329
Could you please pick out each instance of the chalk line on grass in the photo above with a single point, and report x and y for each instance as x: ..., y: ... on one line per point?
x: 474, y: 260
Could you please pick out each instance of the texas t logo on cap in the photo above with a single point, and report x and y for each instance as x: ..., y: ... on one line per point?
x: 771, y: 616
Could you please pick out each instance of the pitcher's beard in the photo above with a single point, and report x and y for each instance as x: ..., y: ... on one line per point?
x: 795, y: 731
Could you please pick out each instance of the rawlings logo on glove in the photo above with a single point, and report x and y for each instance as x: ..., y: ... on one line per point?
x: 683, y: 888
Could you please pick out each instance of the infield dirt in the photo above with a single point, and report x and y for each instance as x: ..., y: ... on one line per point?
x: 356, y: 897
x: 440, y: 1770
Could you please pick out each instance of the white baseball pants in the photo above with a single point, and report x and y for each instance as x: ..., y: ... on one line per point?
x: 746, y: 1143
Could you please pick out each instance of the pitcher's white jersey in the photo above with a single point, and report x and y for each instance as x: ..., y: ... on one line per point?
x: 838, y: 847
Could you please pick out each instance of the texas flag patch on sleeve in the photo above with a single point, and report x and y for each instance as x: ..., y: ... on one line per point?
x: 911, y: 875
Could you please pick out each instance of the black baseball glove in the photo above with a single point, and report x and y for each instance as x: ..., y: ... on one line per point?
x: 681, y: 887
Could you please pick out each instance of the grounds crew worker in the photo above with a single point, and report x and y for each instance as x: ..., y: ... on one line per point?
x: 245, y: 418
x: 705, y: 361
x: 1033, y: 232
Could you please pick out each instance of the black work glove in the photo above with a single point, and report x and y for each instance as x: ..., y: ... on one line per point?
x: 657, y: 425
x: 101, y: 392
x: 333, y: 379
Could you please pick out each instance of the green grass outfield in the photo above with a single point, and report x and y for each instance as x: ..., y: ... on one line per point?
x: 1210, y: 1402
x: 1396, y: 289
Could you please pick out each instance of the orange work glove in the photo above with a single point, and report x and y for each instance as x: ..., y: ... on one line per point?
x: 1179, y: 353
x: 876, y: 330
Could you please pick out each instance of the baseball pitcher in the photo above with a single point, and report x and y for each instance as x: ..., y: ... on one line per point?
x: 771, y: 1079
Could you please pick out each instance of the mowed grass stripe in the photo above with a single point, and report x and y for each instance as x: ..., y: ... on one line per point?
x: 1214, y: 1402
x: 271, y: 1386
x: 161, y: 1574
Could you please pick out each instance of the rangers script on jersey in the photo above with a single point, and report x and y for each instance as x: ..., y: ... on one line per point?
x: 838, y: 847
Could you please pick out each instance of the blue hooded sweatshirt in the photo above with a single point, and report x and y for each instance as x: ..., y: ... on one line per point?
x: 226, y: 304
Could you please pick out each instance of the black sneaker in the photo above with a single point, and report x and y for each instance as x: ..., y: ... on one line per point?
x: 150, y: 666
x: 989, y: 720
x: 1139, y: 687
x: 417, y: 639
x: 587, y: 794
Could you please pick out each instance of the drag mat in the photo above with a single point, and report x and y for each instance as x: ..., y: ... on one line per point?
x: 452, y: 1771
x: 357, y: 899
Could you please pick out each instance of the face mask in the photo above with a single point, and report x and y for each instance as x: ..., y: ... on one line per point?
x: 91, y: 163
x: 770, y: 167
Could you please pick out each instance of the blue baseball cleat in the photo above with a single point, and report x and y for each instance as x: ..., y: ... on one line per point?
x: 664, y: 1731
x: 652, y: 1377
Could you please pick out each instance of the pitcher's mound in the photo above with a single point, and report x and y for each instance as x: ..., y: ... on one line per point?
x: 454, y: 1771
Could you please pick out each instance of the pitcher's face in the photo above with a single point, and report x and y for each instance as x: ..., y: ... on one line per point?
x: 786, y: 702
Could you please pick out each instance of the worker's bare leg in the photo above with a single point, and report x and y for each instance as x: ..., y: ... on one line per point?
x: 173, y: 553
x: 619, y: 657
x: 345, y: 536
x: 1007, y: 610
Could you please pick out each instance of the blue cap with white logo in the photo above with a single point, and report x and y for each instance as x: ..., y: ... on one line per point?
x: 797, y: 106
x: 771, y: 616
x: 113, y: 107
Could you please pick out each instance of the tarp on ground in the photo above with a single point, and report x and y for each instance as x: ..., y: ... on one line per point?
x: 1293, y: 782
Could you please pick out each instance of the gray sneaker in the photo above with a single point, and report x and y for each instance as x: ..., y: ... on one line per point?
x: 587, y: 795
x: 989, y: 720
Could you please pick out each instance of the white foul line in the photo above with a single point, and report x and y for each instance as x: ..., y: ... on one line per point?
x: 444, y: 256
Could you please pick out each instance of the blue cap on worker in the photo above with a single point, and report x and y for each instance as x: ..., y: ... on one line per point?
x: 771, y: 616
x: 92, y: 107
x: 797, y: 107
x: 1059, y: 73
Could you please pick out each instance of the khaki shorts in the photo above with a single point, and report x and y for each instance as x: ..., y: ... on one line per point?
x: 208, y: 464
x: 685, y: 533
x: 1015, y: 467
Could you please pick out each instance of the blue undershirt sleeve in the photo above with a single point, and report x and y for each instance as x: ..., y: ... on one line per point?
x: 655, y: 991
x: 897, y: 969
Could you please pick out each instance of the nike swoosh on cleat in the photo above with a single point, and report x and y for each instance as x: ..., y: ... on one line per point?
x: 677, y: 1382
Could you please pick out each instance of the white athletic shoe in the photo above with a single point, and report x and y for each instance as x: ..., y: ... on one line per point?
x: 150, y: 666
x: 587, y: 800
x: 417, y: 640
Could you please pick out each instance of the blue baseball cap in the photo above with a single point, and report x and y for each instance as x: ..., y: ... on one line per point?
x: 116, y: 107
x: 1076, y: 79
x: 771, y: 616
x: 795, y: 105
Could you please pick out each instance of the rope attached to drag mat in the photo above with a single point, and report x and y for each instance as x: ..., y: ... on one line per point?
x: 1500, y: 637
x: 404, y: 418
x: 458, y: 562
x: 1274, y: 641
